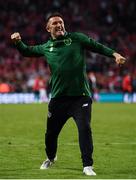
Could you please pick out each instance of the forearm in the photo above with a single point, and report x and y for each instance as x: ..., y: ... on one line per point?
x: 27, y: 51
x: 102, y: 49
x: 99, y: 48
x: 23, y: 49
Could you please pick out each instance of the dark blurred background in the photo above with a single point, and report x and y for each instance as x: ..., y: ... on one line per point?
x: 111, y: 22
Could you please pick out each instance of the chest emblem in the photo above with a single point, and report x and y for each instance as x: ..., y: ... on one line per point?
x: 67, y: 41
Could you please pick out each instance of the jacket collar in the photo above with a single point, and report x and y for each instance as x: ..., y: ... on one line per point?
x: 60, y: 37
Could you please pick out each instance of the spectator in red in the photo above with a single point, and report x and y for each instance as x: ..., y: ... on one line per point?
x: 39, y: 89
x: 127, y: 88
x: 127, y: 84
x: 4, y: 87
x: 134, y: 83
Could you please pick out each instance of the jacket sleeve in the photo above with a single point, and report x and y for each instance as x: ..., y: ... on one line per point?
x: 29, y: 51
x: 94, y: 46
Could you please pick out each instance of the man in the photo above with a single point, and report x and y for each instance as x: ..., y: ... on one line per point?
x: 127, y: 88
x: 71, y: 96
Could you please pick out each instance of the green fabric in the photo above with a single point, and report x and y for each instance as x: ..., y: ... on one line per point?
x: 66, y: 58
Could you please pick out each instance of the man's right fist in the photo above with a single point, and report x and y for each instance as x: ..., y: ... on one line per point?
x: 15, y: 37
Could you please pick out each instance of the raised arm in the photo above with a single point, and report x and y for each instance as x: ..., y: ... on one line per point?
x: 104, y: 50
x: 25, y: 50
x: 94, y: 46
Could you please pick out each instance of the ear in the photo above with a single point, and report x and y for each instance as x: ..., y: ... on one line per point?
x: 47, y: 28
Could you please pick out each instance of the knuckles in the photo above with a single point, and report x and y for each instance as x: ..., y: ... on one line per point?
x: 15, y: 36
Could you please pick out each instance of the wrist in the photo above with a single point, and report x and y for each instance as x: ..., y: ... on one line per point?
x: 17, y: 41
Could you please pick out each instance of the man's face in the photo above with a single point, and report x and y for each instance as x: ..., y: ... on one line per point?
x: 55, y: 27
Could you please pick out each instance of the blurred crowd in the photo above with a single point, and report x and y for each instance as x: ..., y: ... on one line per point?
x: 111, y: 22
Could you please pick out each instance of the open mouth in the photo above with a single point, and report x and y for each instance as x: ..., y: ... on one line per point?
x: 59, y: 30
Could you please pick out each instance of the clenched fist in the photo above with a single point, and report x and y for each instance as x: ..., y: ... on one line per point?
x: 15, y: 37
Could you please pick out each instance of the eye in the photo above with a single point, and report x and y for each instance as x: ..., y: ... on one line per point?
x: 57, y: 22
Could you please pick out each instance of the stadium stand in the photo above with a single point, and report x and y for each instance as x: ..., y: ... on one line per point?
x: 112, y: 23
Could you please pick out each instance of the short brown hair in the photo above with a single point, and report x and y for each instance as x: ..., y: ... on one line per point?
x: 50, y: 15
